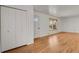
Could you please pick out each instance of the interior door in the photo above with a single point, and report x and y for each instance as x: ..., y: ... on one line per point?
x: 7, y: 28
x: 21, y: 28
x: 36, y: 27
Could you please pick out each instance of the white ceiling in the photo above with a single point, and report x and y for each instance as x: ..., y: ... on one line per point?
x: 41, y: 8
x: 61, y: 10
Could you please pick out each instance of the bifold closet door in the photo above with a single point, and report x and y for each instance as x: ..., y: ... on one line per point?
x: 21, y: 28
x: 13, y: 28
x: 7, y: 28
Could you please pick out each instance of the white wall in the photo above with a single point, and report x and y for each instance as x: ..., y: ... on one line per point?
x: 70, y: 24
x: 44, y: 23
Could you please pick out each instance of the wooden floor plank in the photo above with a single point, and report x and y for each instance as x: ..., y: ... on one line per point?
x: 58, y: 43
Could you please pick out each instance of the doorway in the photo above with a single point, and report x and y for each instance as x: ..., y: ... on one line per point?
x: 36, y: 26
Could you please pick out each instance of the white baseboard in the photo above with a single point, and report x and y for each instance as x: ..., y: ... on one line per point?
x: 30, y: 42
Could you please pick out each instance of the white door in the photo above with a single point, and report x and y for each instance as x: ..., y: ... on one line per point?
x: 7, y: 28
x: 36, y: 27
x: 21, y: 28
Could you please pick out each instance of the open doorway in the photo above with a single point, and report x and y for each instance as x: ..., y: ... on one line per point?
x: 36, y: 26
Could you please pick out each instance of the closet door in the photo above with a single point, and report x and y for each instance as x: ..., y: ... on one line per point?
x: 7, y: 28
x: 21, y: 28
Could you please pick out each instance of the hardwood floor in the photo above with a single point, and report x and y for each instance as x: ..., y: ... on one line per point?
x: 58, y: 43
